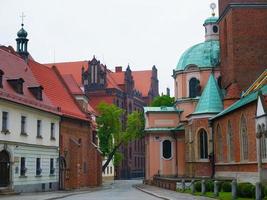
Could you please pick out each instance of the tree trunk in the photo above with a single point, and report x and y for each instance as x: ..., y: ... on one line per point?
x: 110, y: 156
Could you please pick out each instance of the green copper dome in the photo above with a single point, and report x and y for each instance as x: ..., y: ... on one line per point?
x: 22, y: 33
x: 206, y: 54
x: 211, y: 20
x: 211, y: 98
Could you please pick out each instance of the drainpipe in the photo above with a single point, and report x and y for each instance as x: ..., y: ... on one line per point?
x: 212, y: 155
x: 59, y: 160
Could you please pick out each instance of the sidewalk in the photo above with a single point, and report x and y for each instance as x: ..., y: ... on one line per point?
x: 54, y: 194
x: 167, y: 194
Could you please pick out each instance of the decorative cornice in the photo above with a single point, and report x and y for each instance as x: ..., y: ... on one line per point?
x: 241, y: 5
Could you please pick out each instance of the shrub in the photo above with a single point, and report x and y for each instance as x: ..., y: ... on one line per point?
x: 198, y: 186
x: 209, y: 186
x: 246, y: 190
x: 226, y: 186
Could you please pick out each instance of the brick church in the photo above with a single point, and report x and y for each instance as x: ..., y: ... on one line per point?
x: 217, y: 127
x: 129, y: 90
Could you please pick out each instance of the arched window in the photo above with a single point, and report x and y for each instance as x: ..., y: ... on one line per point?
x: 244, y: 138
x: 230, y: 142
x: 219, y: 144
x: 193, y: 87
x: 203, y: 144
x: 167, y: 149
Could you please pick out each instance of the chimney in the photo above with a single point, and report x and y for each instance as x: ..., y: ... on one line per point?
x: 118, y: 69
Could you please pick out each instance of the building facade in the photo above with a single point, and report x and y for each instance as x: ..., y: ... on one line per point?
x: 129, y: 90
x: 29, y: 137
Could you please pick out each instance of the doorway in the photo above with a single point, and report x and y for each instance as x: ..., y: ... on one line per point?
x: 4, y: 168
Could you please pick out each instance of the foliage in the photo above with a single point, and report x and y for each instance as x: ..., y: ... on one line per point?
x: 198, y: 186
x: 209, y: 186
x: 163, y: 100
x: 226, y: 186
x: 246, y: 190
x: 110, y: 132
x: 109, y: 127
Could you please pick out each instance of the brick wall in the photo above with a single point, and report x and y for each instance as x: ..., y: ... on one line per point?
x: 243, y: 39
x: 83, y: 161
x: 238, y: 165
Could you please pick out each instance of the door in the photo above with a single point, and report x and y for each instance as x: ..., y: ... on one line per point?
x: 4, y: 168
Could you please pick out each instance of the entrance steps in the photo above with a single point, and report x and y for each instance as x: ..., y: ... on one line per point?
x: 7, y: 191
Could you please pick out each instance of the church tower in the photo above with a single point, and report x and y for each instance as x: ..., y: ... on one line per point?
x: 22, y: 42
x: 243, y: 41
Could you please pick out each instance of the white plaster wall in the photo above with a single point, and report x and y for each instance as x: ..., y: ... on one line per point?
x: 15, y: 112
x: 110, y: 165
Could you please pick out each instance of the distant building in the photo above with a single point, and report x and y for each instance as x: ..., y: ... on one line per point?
x: 129, y: 90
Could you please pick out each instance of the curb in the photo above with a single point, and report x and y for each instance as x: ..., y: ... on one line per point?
x: 150, y: 193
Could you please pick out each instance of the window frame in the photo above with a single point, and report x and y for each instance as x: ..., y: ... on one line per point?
x: 39, y: 129
x: 203, y: 144
x: 23, y: 168
x: 170, y: 149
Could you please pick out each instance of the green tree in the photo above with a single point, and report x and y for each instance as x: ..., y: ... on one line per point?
x: 111, y: 134
x: 163, y: 100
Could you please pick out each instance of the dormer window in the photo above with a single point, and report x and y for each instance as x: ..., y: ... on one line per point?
x: 17, y: 84
x: 1, y: 78
x: 37, y: 92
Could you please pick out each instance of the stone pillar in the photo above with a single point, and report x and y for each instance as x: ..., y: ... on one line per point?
x: 234, y: 189
x: 216, y: 188
x: 258, y: 191
x: 193, y: 186
x: 183, y: 185
x: 203, y: 187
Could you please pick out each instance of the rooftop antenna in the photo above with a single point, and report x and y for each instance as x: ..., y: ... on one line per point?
x: 213, y: 7
x: 22, y: 16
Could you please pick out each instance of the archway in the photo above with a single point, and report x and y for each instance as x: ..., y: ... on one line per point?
x: 4, y: 168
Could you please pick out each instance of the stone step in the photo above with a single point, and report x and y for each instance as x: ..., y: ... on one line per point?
x: 7, y: 191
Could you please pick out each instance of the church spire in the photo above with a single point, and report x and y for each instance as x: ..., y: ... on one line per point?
x: 22, y: 41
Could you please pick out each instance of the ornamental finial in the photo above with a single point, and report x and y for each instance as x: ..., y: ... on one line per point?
x: 213, y: 7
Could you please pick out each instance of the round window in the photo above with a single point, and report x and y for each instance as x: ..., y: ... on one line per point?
x: 215, y: 29
x: 167, y: 149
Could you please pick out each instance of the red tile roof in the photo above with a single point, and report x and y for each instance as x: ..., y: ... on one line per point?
x: 72, y: 84
x: 142, y: 79
x: 57, y: 90
x: 73, y: 68
x: 14, y: 66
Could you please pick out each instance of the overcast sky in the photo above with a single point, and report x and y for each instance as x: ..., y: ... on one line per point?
x: 141, y: 33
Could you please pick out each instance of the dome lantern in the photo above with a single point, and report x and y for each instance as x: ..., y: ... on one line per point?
x: 22, y: 41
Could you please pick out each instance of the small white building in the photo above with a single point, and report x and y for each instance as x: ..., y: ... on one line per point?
x: 108, y: 174
x: 29, y: 129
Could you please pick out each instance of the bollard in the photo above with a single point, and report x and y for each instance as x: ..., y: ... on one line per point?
x: 183, y: 185
x: 234, y: 189
x: 216, y: 188
x: 192, y: 186
x: 258, y: 191
x: 203, y: 187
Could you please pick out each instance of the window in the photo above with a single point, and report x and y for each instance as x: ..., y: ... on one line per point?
x: 110, y: 170
x: 215, y: 29
x: 23, y: 168
x: 230, y: 142
x: 23, y: 125
x: 17, y: 84
x: 220, y: 144
x: 107, y: 170
x: 167, y: 149
x: 4, y: 121
x: 1, y: 78
x: 38, y: 167
x: 39, y: 124
x: 52, y: 168
x: 194, y: 88
x: 203, y: 144
x: 52, y: 131
x: 244, y: 138
x: 261, y: 131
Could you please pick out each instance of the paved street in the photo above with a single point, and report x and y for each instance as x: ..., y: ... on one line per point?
x: 120, y: 190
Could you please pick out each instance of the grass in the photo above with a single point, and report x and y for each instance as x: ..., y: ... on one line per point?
x: 222, y: 195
